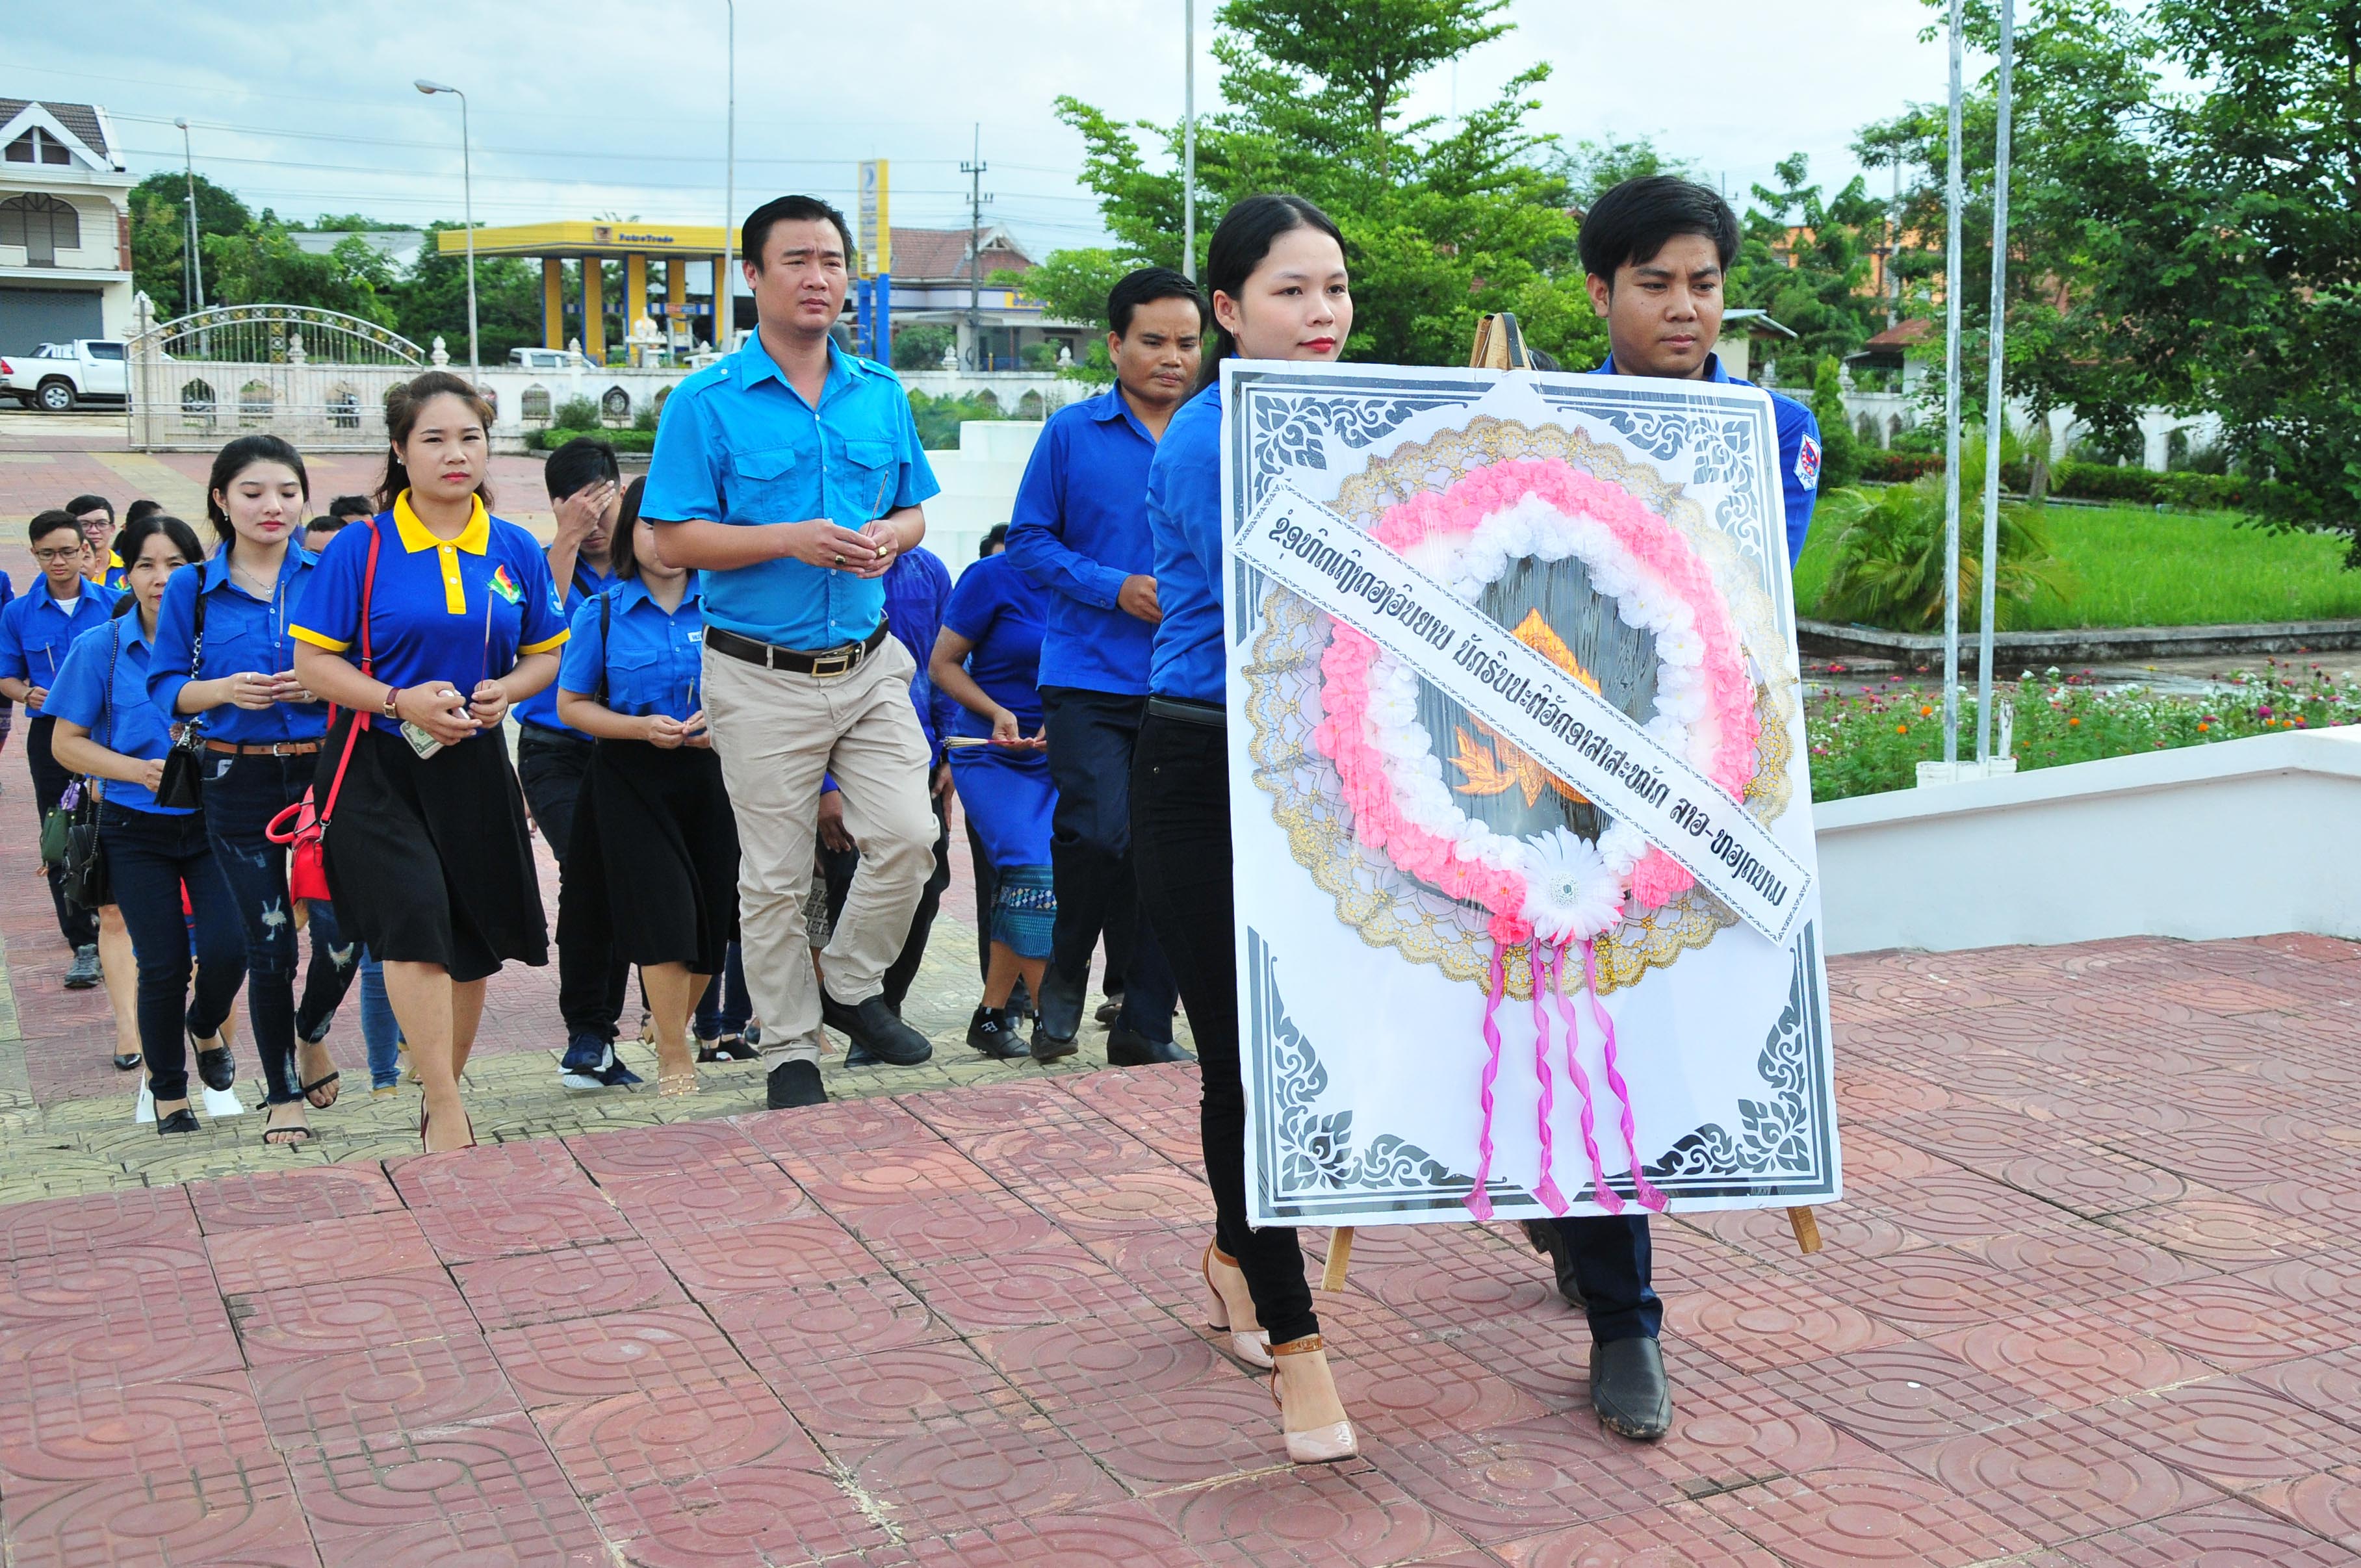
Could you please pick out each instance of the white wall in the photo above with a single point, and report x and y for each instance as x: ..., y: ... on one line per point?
x: 2238, y: 839
x: 978, y: 483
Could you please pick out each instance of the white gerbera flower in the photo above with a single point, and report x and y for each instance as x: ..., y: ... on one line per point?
x: 1571, y: 896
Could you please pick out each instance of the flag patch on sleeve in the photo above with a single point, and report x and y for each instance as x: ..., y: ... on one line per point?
x: 1807, y: 464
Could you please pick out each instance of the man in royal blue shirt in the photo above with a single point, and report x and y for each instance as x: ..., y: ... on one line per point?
x: 1655, y: 252
x: 1080, y: 529
x: 36, y: 631
x: 790, y: 474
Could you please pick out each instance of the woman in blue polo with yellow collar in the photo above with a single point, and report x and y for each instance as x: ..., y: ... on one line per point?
x: 654, y: 856
x: 109, y: 732
x: 225, y: 660
x: 427, y: 625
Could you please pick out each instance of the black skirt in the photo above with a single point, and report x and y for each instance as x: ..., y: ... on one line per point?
x: 428, y: 858
x: 652, y: 868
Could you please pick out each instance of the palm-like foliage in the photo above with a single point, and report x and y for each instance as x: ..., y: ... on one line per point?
x: 1889, y: 559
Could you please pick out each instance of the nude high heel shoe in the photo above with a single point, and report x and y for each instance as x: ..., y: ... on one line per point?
x: 1231, y: 1308
x: 1305, y: 1367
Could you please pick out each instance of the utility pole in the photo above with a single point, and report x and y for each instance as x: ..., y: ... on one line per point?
x: 1188, y: 140
x: 974, y: 169
x: 725, y: 324
x: 1995, y: 407
x: 194, y: 275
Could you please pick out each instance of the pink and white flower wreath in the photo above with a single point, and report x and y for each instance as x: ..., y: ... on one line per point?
x: 1553, y: 891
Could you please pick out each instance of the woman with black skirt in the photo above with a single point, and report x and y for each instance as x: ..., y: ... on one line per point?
x: 110, y: 733
x: 1277, y: 271
x: 425, y: 626
x: 655, y: 844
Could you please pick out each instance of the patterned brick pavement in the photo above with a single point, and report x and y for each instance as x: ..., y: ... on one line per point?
x: 2094, y: 1299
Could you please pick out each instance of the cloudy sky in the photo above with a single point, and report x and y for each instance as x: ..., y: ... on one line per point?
x: 604, y: 108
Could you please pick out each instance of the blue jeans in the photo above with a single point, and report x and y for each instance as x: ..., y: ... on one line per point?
x: 149, y: 858
x: 379, y: 1029
x: 241, y: 794
x: 725, y: 1006
x: 1612, y: 1259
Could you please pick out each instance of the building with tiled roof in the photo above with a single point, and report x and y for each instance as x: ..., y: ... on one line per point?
x: 931, y: 274
x: 65, y: 226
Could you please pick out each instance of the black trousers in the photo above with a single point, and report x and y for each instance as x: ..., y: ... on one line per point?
x: 1612, y: 1260
x: 1180, y: 843
x: 1093, y: 735
x: 150, y: 857
x: 837, y: 867
x: 987, y: 887
x: 77, y: 924
x: 591, y: 981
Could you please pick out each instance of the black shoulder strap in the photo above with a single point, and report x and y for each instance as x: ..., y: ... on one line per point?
x: 606, y: 640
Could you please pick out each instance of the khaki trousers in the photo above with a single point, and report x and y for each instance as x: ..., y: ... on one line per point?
x: 777, y: 733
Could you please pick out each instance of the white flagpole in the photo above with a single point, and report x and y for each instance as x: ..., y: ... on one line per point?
x: 1952, y: 418
x: 1995, y: 404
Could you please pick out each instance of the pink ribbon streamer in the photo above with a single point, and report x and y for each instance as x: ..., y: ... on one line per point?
x: 1546, y: 1191
x: 1480, y: 1201
x: 1607, y: 1197
x: 1647, y: 1196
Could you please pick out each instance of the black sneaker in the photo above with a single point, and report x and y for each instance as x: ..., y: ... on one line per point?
x: 874, y: 1031
x: 794, y: 1083
x: 993, y: 1031
x: 84, y: 972
x: 1129, y: 1047
x: 587, y: 1062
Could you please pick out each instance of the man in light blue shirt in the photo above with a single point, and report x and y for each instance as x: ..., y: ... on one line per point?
x: 790, y: 475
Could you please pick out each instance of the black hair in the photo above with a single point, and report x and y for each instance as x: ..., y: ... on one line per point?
x: 1630, y: 225
x: 789, y: 209
x: 583, y: 461
x: 1243, y: 239
x: 402, y: 409
x: 234, y: 459
x: 138, y: 509
x: 136, y: 536
x: 45, y: 523
x: 82, y: 504
x: 623, y: 560
x: 1146, y: 286
x: 997, y: 534
x: 344, y: 508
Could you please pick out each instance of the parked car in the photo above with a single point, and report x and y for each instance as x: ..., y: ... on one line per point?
x: 63, y: 375
x: 550, y: 359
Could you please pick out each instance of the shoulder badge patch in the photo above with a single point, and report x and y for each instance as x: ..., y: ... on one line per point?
x: 1807, y: 464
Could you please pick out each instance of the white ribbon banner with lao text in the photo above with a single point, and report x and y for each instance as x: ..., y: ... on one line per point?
x: 1570, y: 730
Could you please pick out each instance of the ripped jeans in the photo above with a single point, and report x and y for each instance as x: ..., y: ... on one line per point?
x: 241, y: 794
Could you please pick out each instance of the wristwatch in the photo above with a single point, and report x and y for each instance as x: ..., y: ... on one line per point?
x: 393, y: 696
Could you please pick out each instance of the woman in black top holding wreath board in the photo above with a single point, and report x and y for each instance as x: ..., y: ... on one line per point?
x: 426, y: 849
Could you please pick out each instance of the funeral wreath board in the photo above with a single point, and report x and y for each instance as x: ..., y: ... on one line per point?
x: 1527, y: 906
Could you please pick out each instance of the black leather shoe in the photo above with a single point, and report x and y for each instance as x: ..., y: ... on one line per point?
x: 181, y: 1121
x: 1628, y: 1388
x: 217, y: 1069
x: 1110, y: 1009
x: 993, y: 1031
x: 1129, y: 1047
x: 1047, y: 1047
x: 1550, y: 1242
x: 794, y: 1083
x: 871, y: 1027
x: 1062, y: 1007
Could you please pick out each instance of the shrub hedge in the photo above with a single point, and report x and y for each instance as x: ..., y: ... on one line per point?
x: 2181, y: 490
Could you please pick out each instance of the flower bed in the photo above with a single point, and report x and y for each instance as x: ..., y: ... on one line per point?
x: 1870, y: 736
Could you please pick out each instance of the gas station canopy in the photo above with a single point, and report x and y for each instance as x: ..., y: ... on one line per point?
x: 675, y: 245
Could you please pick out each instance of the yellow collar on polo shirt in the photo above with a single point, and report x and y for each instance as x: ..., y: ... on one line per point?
x: 475, y: 538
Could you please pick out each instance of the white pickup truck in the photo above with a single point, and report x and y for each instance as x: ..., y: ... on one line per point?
x: 63, y: 375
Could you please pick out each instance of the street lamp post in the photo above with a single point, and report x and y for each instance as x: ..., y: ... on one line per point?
x: 1188, y: 140
x: 467, y: 197
x: 1951, y: 199
x: 196, y: 279
x: 725, y: 327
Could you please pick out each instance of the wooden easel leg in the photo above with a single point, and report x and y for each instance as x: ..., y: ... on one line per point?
x: 1807, y: 1228
x: 1340, y: 1257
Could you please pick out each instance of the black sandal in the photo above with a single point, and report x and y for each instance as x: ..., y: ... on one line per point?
x: 316, y: 1085
x: 295, y: 1135
x: 726, y: 1048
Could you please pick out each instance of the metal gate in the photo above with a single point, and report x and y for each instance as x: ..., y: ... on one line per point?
x: 316, y: 378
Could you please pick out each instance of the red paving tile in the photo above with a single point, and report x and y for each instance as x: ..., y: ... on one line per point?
x: 2096, y: 1272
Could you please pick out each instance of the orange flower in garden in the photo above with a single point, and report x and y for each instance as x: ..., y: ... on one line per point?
x: 1902, y: 730
x: 2202, y: 726
x: 2073, y: 721
x: 1925, y: 710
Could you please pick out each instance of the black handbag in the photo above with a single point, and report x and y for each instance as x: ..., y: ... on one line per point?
x: 181, y: 787
x: 85, y: 879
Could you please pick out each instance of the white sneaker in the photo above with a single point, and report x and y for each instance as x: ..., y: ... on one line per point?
x: 221, y: 1103
x: 143, y: 1109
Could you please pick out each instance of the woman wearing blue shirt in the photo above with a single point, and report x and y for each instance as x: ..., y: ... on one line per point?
x: 427, y: 624
x: 1276, y: 268
x: 235, y: 674
x: 987, y: 659
x: 107, y: 730
x: 655, y: 848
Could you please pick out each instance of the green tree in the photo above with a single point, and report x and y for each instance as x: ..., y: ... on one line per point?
x: 1591, y: 168
x: 1442, y: 221
x: 1804, y: 259
x: 921, y: 347
x: 160, y: 235
x: 264, y: 266
x: 433, y: 302
x: 1840, y: 447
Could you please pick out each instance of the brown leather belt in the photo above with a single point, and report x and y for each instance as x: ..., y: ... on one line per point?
x: 828, y: 662
x: 276, y: 749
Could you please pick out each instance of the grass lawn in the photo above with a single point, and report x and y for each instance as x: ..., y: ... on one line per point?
x: 2145, y: 568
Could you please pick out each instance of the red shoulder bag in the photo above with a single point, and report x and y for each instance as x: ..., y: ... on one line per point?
x: 300, y: 827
